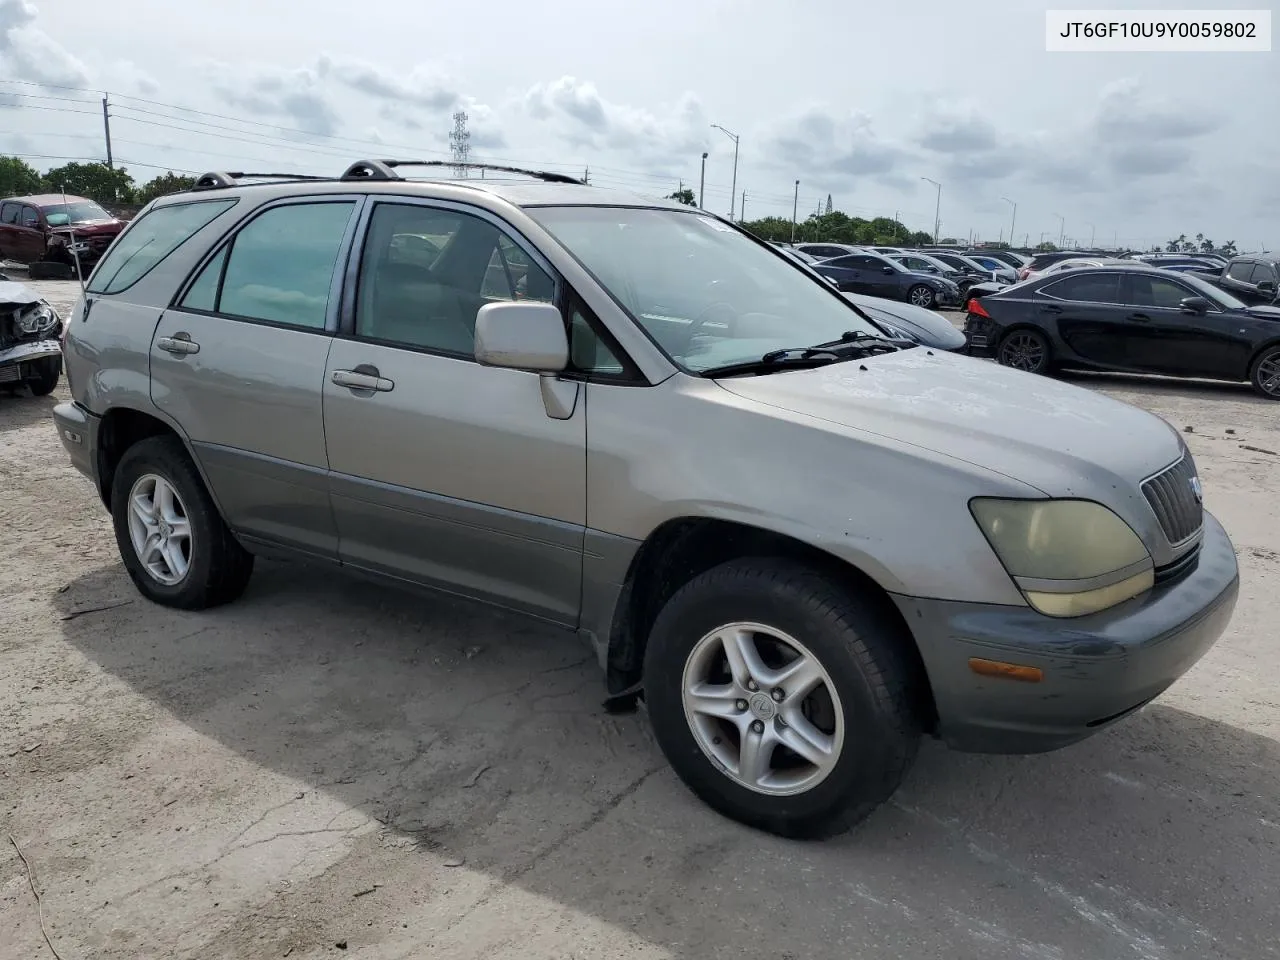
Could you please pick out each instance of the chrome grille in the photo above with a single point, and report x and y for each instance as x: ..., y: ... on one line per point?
x: 1174, y: 496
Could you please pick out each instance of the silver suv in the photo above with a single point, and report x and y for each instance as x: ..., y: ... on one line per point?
x: 801, y: 542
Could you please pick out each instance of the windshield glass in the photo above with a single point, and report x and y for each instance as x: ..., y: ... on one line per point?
x: 1213, y: 294
x: 80, y: 211
x: 706, y: 293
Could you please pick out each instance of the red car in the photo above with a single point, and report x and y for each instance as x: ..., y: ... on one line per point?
x: 51, y: 227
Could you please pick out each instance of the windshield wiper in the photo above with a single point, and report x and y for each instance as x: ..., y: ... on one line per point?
x: 866, y: 339
x: 850, y: 346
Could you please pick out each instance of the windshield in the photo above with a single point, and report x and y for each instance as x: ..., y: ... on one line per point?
x: 1213, y: 294
x: 81, y: 211
x: 706, y: 293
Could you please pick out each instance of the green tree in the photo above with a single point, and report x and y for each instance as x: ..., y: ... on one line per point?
x: 919, y: 239
x: 18, y: 178
x: 166, y: 184
x: 96, y: 181
x: 1228, y: 249
x: 683, y: 195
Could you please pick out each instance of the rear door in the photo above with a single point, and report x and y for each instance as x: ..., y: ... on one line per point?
x: 444, y: 472
x: 1163, y: 338
x: 1088, y: 314
x: 239, y: 360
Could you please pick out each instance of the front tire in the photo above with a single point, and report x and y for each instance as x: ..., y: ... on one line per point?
x: 174, y: 543
x: 1265, y: 373
x: 1027, y: 350
x: 922, y: 296
x: 830, y: 723
x: 45, y: 379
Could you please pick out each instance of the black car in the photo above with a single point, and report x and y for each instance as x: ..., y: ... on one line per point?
x: 1252, y: 277
x: 969, y: 267
x: 878, y: 276
x: 1130, y: 319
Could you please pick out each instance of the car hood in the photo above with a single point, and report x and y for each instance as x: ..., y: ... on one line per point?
x: 90, y: 228
x: 1060, y: 439
x: 915, y: 275
x: 1264, y: 312
x: 931, y: 328
x: 17, y: 295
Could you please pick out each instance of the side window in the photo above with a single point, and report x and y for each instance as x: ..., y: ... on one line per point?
x: 9, y: 213
x: 840, y: 262
x: 433, y: 306
x: 588, y: 353
x: 203, y: 294
x: 1086, y: 288
x: 149, y: 239
x: 1156, y: 292
x: 280, y: 265
x: 1261, y: 272
x: 30, y: 217
x: 866, y: 263
x: 1240, y: 270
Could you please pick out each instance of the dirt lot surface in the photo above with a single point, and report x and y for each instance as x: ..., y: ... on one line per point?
x: 329, y: 768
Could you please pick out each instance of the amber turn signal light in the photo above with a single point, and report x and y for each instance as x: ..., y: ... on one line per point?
x: 1007, y: 671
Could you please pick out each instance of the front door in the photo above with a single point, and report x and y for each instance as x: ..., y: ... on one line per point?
x: 1164, y: 338
x: 443, y: 472
x: 239, y: 362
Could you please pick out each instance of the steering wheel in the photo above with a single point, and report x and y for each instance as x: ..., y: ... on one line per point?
x: 713, y: 312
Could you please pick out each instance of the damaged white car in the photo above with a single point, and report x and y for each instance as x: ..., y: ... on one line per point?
x: 30, y: 340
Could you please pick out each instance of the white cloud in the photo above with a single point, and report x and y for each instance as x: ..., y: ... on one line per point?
x: 27, y: 52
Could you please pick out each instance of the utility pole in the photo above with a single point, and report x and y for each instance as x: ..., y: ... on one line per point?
x: 742, y: 210
x: 1012, y: 220
x: 1062, y: 230
x: 795, y: 205
x: 702, y: 184
x: 1093, y: 235
x: 106, y: 128
x: 733, y: 187
x: 937, y: 210
x: 460, y: 143
x: 586, y: 174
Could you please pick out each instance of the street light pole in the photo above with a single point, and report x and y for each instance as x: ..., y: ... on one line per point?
x: 1012, y: 220
x: 733, y: 187
x: 702, y: 184
x: 937, y: 210
x: 795, y: 206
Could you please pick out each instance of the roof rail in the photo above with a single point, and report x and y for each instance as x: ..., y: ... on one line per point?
x: 388, y: 170
x: 218, y: 179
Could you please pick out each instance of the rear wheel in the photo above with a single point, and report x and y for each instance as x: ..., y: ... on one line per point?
x: 1025, y: 350
x: 173, y: 542
x: 921, y: 296
x: 780, y: 698
x: 1265, y: 374
x: 45, y: 376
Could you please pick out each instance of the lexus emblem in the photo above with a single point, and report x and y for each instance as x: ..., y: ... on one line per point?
x: 1197, y: 489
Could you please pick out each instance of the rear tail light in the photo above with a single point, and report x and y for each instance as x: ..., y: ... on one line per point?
x: 977, y: 309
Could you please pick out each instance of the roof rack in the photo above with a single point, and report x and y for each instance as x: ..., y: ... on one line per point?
x: 217, y: 179
x: 387, y: 170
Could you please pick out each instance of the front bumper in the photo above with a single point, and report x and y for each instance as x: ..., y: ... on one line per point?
x: 947, y: 297
x: 78, y: 430
x: 1096, y: 669
x: 13, y: 360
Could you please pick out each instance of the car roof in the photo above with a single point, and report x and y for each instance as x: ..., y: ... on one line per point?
x: 49, y: 199
x: 1272, y: 256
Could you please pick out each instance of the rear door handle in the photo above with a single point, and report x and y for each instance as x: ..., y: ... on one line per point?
x: 363, y: 377
x: 1051, y: 308
x: 180, y: 345
x: 1139, y: 318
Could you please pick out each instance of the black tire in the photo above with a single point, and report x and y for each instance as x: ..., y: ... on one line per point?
x: 922, y: 295
x: 861, y: 646
x: 1025, y: 349
x: 51, y: 270
x: 1262, y: 373
x: 219, y: 567
x: 48, y: 372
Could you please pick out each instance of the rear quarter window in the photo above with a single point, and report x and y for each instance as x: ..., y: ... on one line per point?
x: 150, y: 239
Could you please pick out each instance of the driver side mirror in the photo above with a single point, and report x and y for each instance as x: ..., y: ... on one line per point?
x: 523, y: 335
x: 1196, y: 305
x: 1267, y: 286
x: 889, y: 271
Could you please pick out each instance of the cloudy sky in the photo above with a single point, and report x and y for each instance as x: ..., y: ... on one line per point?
x: 856, y: 100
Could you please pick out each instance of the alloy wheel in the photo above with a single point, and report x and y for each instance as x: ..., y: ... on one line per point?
x: 159, y: 529
x: 1268, y: 375
x: 921, y: 296
x: 1023, y: 351
x: 763, y: 708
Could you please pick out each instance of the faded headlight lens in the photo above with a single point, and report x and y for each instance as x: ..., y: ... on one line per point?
x: 1068, y: 557
x: 39, y: 319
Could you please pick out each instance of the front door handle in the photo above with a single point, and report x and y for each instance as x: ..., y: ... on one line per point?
x: 1139, y: 318
x: 180, y: 345
x: 1051, y: 308
x: 363, y: 377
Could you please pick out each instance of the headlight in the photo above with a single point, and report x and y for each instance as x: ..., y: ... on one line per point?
x: 1068, y: 557
x: 897, y: 331
x: 39, y: 319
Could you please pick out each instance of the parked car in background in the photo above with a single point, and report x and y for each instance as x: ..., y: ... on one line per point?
x: 969, y: 266
x: 888, y: 251
x: 1008, y: 257
x: 925, y: 327
x: 30, y: 331
x: 878, y: 276
x: 829, y: 558
x: 51, y: 228
x: 1131, y: 319
x: 1251, y: 277
x: 1042, y: 260
x: 1071, y: 263
x: 1000, y: 271
x: 825, y: 251
x: 924, y: 263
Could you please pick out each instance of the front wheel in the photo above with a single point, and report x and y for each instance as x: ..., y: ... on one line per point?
x: 921, y: 296
x: 1265, y: 375
x: 1025, y: 350
x: 780, y: 698
x: 174, y: 543
x: 45, y: 378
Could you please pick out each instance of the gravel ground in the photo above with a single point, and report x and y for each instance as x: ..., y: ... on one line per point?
x: 330, y: 768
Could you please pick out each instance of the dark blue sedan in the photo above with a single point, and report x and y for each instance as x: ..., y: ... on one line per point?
x: 877, y: 276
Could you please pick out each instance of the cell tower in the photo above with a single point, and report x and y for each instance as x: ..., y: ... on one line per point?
x: 460, y: 142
